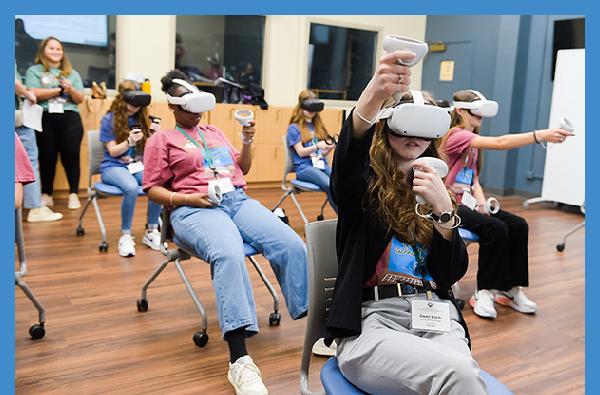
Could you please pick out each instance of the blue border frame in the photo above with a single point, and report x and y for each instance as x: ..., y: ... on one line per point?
x: 272, y: 7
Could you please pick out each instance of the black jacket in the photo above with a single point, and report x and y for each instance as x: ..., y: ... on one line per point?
x: 361, y: 238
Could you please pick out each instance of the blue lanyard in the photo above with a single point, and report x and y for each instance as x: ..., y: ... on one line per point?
x: 208, y: 161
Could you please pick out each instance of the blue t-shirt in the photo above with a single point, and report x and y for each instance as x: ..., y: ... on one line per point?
x: 293, y: 137
x: 107, y: 134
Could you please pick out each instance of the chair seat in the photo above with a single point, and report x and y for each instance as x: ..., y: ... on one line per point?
x: 305, y: 186
x: 467, y: 235
x: 111, y: 190
x: 335, y: 383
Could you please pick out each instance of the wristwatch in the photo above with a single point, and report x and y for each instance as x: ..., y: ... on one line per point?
x: 443, y: 217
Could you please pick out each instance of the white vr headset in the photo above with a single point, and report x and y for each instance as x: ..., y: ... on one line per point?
x: 482, y: 107
x: 416, y: 119
x: 194, y: 102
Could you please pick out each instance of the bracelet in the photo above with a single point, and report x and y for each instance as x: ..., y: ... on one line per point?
x: 537, y: 140
x: 365, y: 120
x: 247, y: 141
x: 171, y: 198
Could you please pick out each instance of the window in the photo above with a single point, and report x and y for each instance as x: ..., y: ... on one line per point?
x: 89, y: 42
x: 340, y: 61
x: 210, y: 47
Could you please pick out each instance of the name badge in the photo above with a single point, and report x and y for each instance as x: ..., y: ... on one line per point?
x: 468, y: 200
x: 56, y: 107
x: 135, y: 167
x: 318, y: 162
x: 224, y: 183
x: 430, y: 316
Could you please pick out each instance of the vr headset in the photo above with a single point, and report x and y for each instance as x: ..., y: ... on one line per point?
x: 481, y: 107
x: 196, y: 101
x: 313, y: 105
x: 137, y: 98
x: 416, y: 119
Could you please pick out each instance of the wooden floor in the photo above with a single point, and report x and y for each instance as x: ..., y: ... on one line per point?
x: 97, y: 342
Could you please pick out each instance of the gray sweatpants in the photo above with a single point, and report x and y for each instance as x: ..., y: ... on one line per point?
x: 390, y: 358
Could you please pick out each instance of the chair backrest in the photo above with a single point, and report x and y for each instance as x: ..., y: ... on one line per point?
x: 322, y: 272
x: 95, y: 152
x: 288, y: 165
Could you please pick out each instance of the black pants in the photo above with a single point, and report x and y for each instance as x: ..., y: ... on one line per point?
x: 503, y: 248
x: 62, y: 133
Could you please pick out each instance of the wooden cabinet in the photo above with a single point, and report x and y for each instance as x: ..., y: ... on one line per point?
x: 268, y: 149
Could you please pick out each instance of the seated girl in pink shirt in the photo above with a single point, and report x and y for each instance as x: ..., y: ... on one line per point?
x: 24, y: 173
x: 180, y: 164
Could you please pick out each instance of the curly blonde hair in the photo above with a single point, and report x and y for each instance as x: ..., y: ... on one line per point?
x: 120, y: 117
x: 298, y: 118
x: 393, y: 199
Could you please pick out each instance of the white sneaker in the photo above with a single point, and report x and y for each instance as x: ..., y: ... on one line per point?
x: 126, y: 245
x: 74, y: 202
x: 515, y: 298
x: 152, y: 239
x: 482, y: 302
x: 320, y: 349
x: 245, y: 377
x: 47, y: 200
x: 43, y: 214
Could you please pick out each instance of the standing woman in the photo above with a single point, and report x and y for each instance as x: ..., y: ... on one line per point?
x: 124, y: 131
x: 306, y: 137
x: 59, y: 90
x: 503, y: 236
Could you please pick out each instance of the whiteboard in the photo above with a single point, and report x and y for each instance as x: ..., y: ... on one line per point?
x: 564, y: 171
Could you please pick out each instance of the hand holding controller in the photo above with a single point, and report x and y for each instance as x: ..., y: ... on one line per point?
x: 394, y: 43
x: 439, y: 166
x: 244, y: 116
x: 135, y: 135
x: 565, y: 124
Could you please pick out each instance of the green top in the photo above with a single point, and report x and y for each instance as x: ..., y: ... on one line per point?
x: 36, y: 77
x: 17, y: 98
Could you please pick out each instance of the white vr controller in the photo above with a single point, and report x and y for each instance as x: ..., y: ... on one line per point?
x: 492, y: 205
x: 394, y: 43
x: 214, y: 193
x: 417, y: 119
x: 244, y: 116
x: 440, y: 167
x: 565, y: 124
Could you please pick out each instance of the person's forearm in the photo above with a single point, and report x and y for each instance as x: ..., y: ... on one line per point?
x: 245, y: 159
x: 367, y: 107
x: 478, y: 193
x: 504, y: 142
x: 306, y: 151
x: 20, y: 89
x: 163, y: 196
x: 115, y: 150
x: 18, y: 195
x: 45, y: 93
x: 77, y: 96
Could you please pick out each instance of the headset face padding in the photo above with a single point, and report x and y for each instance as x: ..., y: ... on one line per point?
x: 313, y: 105
x: 137, y: 98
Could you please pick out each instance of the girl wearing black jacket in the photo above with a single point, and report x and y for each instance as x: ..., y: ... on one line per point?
x: 392, y: 262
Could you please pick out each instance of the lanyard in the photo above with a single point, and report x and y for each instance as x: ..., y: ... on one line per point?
x: 207, y: 154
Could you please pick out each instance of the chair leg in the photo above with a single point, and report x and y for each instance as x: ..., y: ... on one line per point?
x: 293, y: 196
x: 285, y: 195
x: 84, y: 210
x: 103, y: 246
x: 267, y: 283
x: 321, y: 216
x: 561, y: 246
x: 153, y: 277
x: 193, y: 295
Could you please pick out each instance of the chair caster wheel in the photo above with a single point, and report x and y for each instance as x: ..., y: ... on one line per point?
x: 37, y: 331
x: 80, y: 231
x: 460, y: 303
x: 560, y: 247
x: 200, y: 338
x: 103, y: 247
x: 142, y: 305
x: 320, y: 218
x: 274, y: 319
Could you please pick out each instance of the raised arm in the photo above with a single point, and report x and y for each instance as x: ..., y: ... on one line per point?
x: 509, y: 141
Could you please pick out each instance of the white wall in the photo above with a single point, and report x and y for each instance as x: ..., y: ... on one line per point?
x: 286, y: 49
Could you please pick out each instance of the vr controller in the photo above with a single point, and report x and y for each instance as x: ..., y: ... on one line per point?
x: 439, y: 166
x: 214, y: 193
x: 137, y: 98
x: 417, y: 119
x: 313, y: 105
x: 244, y: 116
x: 393, y: 43
x: 565, y: 124
x: 492, y: 205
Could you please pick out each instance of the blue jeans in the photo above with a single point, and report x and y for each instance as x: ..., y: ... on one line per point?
x: 32, y: 192
x: 216, y: 235
x: 128, y: 183
x: 318, y: 177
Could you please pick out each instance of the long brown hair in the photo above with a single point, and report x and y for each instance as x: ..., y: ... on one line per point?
x: 458, y: 122
x: 393, y: 198
x: 298, y: 118
x: 120, y: 117
x: 40, y: 57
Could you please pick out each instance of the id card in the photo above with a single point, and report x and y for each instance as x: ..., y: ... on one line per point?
x: 318, y: 162
x: 135, y: 167
x: 224, y: 183
x: 430, y: 316
x: 468, y: 200
x: 56, y: 107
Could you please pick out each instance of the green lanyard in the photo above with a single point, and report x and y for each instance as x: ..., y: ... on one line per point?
x: 208, y: 161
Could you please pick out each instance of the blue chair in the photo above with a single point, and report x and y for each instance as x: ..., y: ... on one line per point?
x: 296, y: 186
x: 322, y: 273
x: 468, y: 236
x: 179, y: 254
x: 97, y: 189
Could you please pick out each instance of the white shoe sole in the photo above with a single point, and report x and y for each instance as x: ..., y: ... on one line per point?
x: 150, y: 245
x: 504, y: 301
x: 481, y: 313
x: 237, y: 392
x: 56, y: 217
